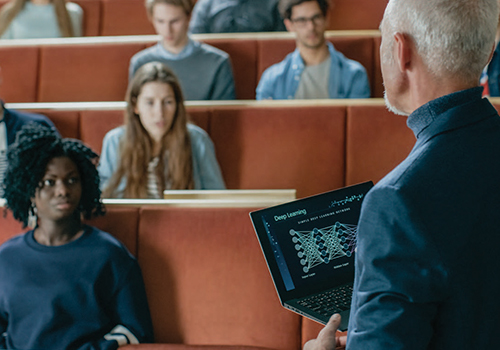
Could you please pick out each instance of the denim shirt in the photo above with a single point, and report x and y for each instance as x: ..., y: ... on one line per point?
x: 206, y: 170
x: 348, y: 78
x: 494, y: 73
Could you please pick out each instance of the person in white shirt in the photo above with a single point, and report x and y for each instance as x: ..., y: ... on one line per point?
x: 33, y: 19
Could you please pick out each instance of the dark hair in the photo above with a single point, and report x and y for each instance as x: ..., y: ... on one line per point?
x: 285, y: 6
x: 28, y: 157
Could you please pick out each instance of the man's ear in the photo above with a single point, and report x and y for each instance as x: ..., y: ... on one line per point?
x: 403, y: 51
x: 288, y: 25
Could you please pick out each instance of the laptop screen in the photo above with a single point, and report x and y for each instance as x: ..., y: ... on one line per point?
x: 309, y: 244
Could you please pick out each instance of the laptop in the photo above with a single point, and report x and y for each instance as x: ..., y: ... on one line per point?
x: 309, y: 246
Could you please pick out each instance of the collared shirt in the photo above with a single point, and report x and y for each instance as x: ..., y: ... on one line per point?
x: 347, y: 79
x: 426, y: 236
x: 423, y: 116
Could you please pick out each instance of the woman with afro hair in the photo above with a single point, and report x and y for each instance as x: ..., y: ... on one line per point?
x: 64, y: 284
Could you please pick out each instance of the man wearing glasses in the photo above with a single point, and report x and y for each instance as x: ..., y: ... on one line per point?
x: 315, y: 69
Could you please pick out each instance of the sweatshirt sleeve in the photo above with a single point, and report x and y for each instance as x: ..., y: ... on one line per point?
x: 131, y: 310
x: 130, y: 314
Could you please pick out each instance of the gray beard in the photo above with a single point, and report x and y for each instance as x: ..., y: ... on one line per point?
x: 393, y: 109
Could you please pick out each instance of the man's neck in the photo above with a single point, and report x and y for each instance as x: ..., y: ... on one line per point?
x: 430, y: 89
x: 1, y: 112
x: 314, y: 56
x: 177, y: 49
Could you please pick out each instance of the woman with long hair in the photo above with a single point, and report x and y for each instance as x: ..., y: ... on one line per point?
x: 64, y: 284
x: 157, y: 148
x: 30, y: 19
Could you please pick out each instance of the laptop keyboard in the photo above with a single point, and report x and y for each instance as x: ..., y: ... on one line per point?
x: 329, y: 302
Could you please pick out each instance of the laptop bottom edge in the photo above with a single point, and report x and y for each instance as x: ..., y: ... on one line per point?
x: 320, y: 318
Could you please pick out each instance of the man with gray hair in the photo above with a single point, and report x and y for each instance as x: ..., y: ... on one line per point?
x: 427, y: 260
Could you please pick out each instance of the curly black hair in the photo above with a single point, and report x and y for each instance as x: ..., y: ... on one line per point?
x: 28, y: 157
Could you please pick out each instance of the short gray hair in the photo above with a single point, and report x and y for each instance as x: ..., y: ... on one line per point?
x: 453, y: 37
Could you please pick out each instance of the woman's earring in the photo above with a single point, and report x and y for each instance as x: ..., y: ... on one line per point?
x: 33, y: 217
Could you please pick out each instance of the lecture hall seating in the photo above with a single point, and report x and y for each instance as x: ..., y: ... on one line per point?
x: 206, y: 279
x: 312, y: 146
x: 96, y: 69
x: 195, y: 260
x: 129, y: 17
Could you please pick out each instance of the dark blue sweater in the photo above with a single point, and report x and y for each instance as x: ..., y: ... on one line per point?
x: 70, y: 296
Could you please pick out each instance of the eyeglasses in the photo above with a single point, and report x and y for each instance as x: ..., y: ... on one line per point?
x: 302, y: 21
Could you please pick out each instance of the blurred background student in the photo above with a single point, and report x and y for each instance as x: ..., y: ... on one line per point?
x: 11, y: 121
x: 64, y: 284
x: 157, y: 148
x: 32, y: 19
x: 204, y: 71
x: 236, y: 16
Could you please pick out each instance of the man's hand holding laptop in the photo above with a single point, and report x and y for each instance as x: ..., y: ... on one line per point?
x: 328, y: 338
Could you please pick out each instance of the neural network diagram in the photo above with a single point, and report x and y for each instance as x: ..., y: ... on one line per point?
x: 324, y: 245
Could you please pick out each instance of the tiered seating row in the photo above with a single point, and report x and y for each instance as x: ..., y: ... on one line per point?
x: 205, y: 276
x: 312, y: 146
x: 128, y: 17
x: 206, y: 279
x: 96, y: 69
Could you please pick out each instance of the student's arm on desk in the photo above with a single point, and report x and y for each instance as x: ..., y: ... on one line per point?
x: 328, y: 337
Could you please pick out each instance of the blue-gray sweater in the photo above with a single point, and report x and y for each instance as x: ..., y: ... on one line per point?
x: 204, y: 72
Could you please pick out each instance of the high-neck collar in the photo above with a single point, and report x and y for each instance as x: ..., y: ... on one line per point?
x: 423, y: 116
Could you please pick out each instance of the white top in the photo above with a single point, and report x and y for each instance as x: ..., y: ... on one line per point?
x: 40, y: 21
x: 153, y: 191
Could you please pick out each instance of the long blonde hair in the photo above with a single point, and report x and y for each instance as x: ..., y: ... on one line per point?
x: 11, y: 9
x: 136, y: 146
